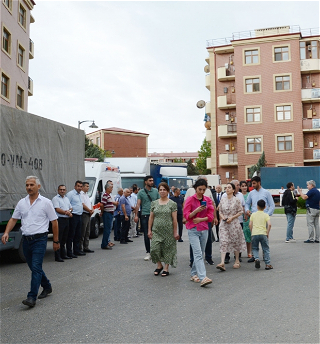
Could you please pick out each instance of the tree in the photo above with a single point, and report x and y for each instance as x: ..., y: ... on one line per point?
x: 94, y: 151
x: 177, y: 160
x: 191, y: 168
x: 204, y: 153
x: 256, y: 168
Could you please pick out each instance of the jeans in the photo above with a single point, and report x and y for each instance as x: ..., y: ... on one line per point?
x: 255, y: 240
x: 208, y: 249
x: 144, y: 227
x: 290, y: 219
x: 107, y: 226
x: 74, y: 234
x: 34, y: 251
x: 198, y: 241
x: 117, y: 227
x: 313, y: 223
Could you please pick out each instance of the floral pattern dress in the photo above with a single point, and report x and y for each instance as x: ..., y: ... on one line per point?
x: 231, y: 237
x: 163, y: 244
x: 246, y: 229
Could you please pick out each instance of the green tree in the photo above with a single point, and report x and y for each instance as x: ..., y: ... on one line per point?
x: 191, y: 168
x: 204, y: 153
x: 178, y: 160
x: 262, y: 162
x: 94, y: 151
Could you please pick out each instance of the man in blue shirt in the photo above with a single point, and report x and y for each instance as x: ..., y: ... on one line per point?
x: 116, y: 215
x: 255, y: 195
x: 179, y: 200
x: 312, y: 198
x: 125, y: 212
x: 75, y: 221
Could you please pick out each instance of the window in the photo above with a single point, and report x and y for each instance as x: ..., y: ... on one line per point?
x: 8, y: 4
x: 22, y: 16
x: 254, y: 144
x: 253, y: 114
x: 5, y: 86
x: 283, y: 113
x: 251, y: 56
x: 20, y: 97
x: 281, y: 54
x: 284, y: 143
x: 20, y: 57
x: 98, y: 141
x: 309, y: 50
x: 252, y: 85
x: 283, y: 83
x: 6, y: 41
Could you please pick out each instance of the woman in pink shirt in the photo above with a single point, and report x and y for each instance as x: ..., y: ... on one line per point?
x: 198, y: 211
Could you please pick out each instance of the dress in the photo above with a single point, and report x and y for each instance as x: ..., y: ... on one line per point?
x: 231, y: 235
x: 246, y: 229
x: 163, y: 244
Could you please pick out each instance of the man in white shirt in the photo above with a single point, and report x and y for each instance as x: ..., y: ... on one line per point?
x: 35, y: 213
x: 281, y: 192
x: 133, y: 202
x: 86, y: 215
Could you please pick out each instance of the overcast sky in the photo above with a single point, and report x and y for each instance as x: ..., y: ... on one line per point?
x: 139, y: 65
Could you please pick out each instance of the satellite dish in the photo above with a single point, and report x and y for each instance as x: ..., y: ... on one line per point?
x: 201, y: 104
x: 207, y: 69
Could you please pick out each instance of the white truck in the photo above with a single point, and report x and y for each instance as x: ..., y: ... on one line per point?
x: 213, y: 179
x: 97, y: 174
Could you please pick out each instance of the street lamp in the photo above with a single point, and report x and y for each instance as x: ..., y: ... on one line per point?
x: 93, y: 125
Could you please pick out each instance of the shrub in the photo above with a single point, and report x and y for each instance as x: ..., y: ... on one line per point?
x: 301, y: 203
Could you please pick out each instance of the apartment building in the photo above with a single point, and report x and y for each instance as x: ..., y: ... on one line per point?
x: 172, y: 157
x: 16, y: 50
x: 264, y: 96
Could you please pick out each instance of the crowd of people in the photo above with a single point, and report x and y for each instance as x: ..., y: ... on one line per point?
x: 241, y: 219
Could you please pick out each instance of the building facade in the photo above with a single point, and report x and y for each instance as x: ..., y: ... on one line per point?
x: 16, y: 50
x: 121, y: 142
x: 264, y: 97
x: 173, y: 157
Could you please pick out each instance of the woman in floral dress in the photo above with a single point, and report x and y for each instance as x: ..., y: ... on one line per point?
x: 246, y: 219
x: 231, y: 236
x: 162, y: 229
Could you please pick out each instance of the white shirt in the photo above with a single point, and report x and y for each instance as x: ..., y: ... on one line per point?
x: 133, y: 199
x: 239, y: 195
x: 86, y: 200
x: 192, y: 191
x: 281, y: 191
x: 62, y: 203
x: 34, y: 217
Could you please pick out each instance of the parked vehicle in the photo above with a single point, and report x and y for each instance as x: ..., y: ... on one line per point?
x: 213, y: 179
x: 33, y: 145
x: 97, y: 174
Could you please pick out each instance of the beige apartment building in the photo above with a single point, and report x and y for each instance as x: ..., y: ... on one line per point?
x: 16, y: 50
x: 264, y: 96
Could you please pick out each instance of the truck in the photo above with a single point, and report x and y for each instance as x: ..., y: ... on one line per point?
x: 33, y: 145
x: 174, y: 174
x: 97, y: 174
x: 213, y: 179
x: 272, y: 178
x: 132, y: 170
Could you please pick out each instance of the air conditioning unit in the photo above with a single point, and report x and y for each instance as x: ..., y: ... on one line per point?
x: 316, y: 154
x: 309, y: 47
x: 227, y: 175
x: 225, y: 90
x: 227, y: 117
x: 227, y: 147
x: 226, y: 65
x: 311, y: 144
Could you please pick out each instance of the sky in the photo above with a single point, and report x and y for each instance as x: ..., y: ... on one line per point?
x: 139, y: 65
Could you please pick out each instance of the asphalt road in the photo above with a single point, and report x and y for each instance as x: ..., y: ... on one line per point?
x: 113, y: 297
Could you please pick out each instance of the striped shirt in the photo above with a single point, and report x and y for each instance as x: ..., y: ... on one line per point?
x: 107, y: 202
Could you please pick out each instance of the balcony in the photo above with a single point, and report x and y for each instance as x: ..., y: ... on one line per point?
x: 225, y: 74
x: 32, y: 20
x: 208, y: 163
x: 208, y: 108
x: 310, y: 95
x: 208, y: 81
x: 225, y: 103
x: 227, y: 130
x: 311, y: 125
x: 208, y: 135
x: 228, y: 159
x: 31, y: 49
x: 310, y: 66
x: 311, y: 155
x: 30, y: 87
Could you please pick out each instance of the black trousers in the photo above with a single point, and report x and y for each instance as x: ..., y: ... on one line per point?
x: 74, y: 234
x: 63, y: 223
x: 180, y: 224
x: 125, y: 226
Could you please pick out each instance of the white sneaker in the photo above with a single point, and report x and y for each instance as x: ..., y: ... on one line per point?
x: 292, y: 240
x: 147, y: 257
x: 287, y: 240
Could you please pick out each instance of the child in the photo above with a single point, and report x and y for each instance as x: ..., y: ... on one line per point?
x: 260, y: 226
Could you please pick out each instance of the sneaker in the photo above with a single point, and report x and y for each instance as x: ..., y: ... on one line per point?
x: 251, y: 260
x: 257, y: 264
x: 316, y: 241
x: 292, y: 240
x: 287, y: 240
x: 147, y: 257
x: 227, y: 260
x: 309, y: 241
x: 210, y: 261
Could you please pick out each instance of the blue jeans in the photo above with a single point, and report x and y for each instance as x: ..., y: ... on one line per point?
x: 107, y: 226
x: 255, y: 240
x: 34, y: 251
x: 208, y: 249
x: 198, y: 241
x: 290, y: 224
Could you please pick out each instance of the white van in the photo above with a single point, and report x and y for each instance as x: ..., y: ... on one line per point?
x: 97, y: 174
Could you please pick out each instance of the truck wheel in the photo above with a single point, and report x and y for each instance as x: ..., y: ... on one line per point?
x: 95, y: 227
x: 17, y: 256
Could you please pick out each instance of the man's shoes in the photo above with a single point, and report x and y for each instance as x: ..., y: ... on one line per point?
x: 128, y: 240
x: 210, y: 261
x: 45, y: 293
x: 136, y: 236
x: 66, y: 257
x: 108, y: 247
x: 292, y: 240
x: 316, y: 241
x: 217, y: 240
x: 73, y: 255
x: 287, y: 240
x: 190, y: 265
x: 257, y: 264
x: 227, y: 260
x: 309, y: 241
x: 59, y: 259
x: 88, y: 250
x: 147, y: 257
x: 251, y: 260
x: 29, y: 301
x: 122, y: 242
x: 268, y: 267
x: 80, y: 253
x: 180, y: 240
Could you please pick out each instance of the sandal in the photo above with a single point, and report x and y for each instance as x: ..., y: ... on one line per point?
x: 111, y: 244
x: 249, y: 255
x: 236, y: 265
x: 268, y: 267
x: 205, y: 281
x: 195, y: 278
x: 157, y: 271
x: 221, y: 267
x: 165, y: 273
